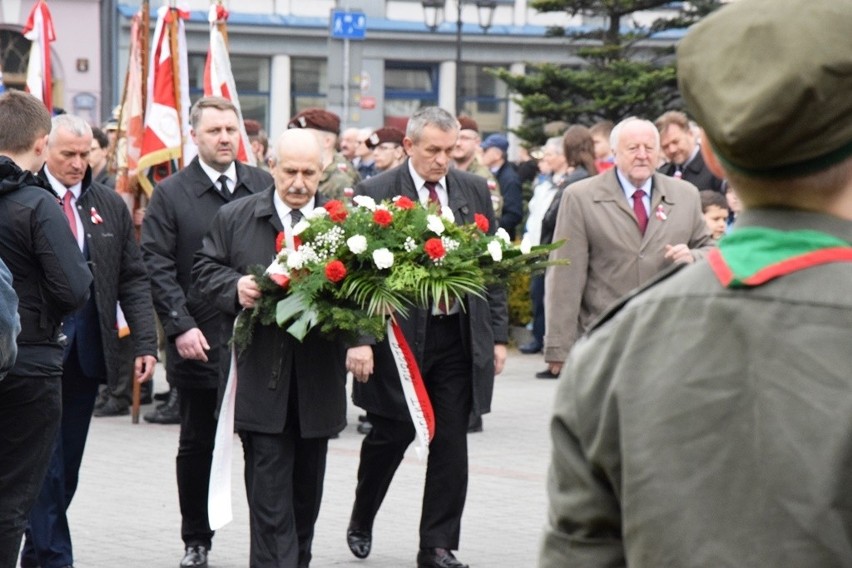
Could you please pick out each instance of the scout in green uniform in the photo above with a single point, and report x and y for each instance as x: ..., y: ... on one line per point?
x: 707, y: 420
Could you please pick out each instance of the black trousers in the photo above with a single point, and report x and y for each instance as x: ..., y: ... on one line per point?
x: 30, y: 411
x: 446, y: 372
x: 195, y: 454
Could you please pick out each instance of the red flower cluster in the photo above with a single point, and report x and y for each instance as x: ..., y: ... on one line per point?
x: 481, y: 222
x: 382, y: 217
x: 404, y: 203
x: 279, y: 242
x: 435, y: 248
x: 336, y: 210
x: 335, y: 271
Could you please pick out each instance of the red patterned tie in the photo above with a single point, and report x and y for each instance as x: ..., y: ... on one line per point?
x: 431, y: 187
x: 639, y: 210
x: 68, y: 208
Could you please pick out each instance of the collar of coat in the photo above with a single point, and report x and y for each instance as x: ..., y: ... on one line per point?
x: 752, y: 256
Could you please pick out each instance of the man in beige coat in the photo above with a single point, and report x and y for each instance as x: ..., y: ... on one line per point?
x: 616, y: 238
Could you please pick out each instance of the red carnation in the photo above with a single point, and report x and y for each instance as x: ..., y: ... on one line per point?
x: 404, y: 203
x: 336, y: 210
x: 481, y: 222
x: 335, y: 271
x: 382, y: 217
x: 279, y: 242
x: 297, y: 242
x: 281, y: 279
x: 435, y: 249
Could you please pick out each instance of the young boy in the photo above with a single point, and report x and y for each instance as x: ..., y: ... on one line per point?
x: 715, y: 209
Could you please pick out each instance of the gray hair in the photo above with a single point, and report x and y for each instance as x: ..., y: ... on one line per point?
x: 555, y: 145
x: 616, y: 132
x: 70, y: 122
x: 430, y: 116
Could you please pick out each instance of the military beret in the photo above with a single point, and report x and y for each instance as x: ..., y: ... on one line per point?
x: 316, y: 118
x: 386, y: 134
x: 770, y: 83
x: 253, y: 127
x: 496, y: 141
x: 467, y: 123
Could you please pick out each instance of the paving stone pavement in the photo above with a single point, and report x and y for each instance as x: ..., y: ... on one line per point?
x: 126, y: 510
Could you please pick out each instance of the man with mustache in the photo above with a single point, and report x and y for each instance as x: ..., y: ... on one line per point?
x: 180, y: 212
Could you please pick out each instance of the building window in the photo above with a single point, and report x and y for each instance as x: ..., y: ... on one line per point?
x: 408, y: 87
x: 251, y: 77
x: 485, y: 98
x: 308, y: 84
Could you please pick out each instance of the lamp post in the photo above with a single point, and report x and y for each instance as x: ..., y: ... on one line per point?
x: 433, y: 15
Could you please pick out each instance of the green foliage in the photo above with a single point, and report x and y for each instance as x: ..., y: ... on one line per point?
x: 520, y: 305
x: 621, y: 78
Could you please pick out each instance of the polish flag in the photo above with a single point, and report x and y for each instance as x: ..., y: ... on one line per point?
x: 219, y: 79
x: 166, y: 142
x: 39, y: 30
x: 131, y: 128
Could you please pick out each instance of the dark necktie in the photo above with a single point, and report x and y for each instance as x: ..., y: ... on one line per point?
x: 295, y: 216
x: 68, y: 208
x: 431, y: 187
x: 223, y: 185
x: 639, y: 210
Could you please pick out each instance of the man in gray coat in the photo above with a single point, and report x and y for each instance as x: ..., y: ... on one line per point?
x: 291, y: 396
x: 616, y: 238
x: 706, y: 422
x: 459, y: 351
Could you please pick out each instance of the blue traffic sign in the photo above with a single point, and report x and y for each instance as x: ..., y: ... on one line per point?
x: 348, y: 25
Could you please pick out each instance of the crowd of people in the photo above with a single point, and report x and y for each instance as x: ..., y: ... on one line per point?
x: 700, y: 417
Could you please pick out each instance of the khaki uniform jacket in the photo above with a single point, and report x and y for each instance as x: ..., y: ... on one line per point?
x: 607, y: 254
x: 710, y: 427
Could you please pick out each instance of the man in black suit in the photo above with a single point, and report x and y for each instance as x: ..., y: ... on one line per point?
x: 458, y: 350
x: 682, y: 150
x: 94, y: 353
x: 291, y: 396
x: 181, y: 209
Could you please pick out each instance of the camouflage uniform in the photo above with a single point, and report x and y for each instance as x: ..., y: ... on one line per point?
x: 339, y: 178
x: 477, y: 168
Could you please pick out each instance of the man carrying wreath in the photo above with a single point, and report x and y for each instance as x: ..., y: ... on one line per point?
x: 290, y: 396
x: 459, y: 349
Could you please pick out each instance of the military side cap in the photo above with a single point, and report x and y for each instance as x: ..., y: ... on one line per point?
x: 316, y: 118
x: 386, y: 134
x: 467, y: 123
x: 253, y: 127
x: 771, y: 84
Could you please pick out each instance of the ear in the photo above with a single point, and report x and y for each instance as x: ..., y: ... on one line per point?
x: 407, y: 143
x: 710, y: 159
x: 40, y: 145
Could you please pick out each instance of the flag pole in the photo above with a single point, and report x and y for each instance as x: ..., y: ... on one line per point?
x: 173, y: 24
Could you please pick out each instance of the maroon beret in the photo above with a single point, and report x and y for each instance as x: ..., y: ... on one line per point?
x: 467, y: 123
x: 316, y: 118
x: 252, y: 127
x: 386, y: 134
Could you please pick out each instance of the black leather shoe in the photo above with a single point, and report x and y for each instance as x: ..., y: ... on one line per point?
x: 195, y: 557
x: 530, y: 348
x: 112, y: 407
x: 364, y: 427
x: 360, y: 542
x: 167, y: 414
x: 546, y: 374
x: 438, y: 558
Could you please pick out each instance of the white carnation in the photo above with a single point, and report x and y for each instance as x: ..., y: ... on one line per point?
x: 365, y: 201
x: 526, y: 245
x: 495, y: 250
x: 277, y: 267
x: 317, y: 213
x: 435, y: 224
x: 447, y: 214
x: 299, y: 227
x: 383, y: 258
x: 502, y: 234
x: 295, y: 260
x: 357, y: 244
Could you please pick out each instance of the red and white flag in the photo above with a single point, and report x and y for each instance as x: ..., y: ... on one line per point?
x: 39, y: 30
x: 129, y: 149
x: 219, y: 79
x: 166, y: 143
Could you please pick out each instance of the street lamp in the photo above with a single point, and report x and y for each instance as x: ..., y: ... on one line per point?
x: 433, y: 15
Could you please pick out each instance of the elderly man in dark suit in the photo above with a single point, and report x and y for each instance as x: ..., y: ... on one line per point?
x: 291, y: 396
x: 180, y: 212
x: 459, y: 350
x: 103, y: 229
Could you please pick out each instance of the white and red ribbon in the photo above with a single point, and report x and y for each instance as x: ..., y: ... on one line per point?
x: 413, y: 389
x: 219, y: 508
